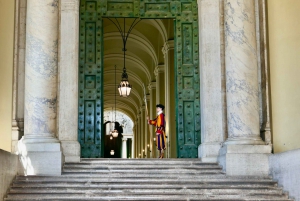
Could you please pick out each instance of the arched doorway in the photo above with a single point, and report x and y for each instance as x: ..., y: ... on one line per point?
x: 117, y: 147
x: 185, y: 73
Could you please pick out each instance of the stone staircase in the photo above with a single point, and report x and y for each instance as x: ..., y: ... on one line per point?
x: 144, y: 179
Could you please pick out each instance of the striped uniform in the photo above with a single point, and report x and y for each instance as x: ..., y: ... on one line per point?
x: 160, y: 124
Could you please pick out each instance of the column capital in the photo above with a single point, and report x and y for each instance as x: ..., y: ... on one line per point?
x: 168, y: 45
x: 159, y: 69
x: 151, y: 85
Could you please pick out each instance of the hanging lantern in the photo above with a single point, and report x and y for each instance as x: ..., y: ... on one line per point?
x: 125, y: 86
x: 115, y: 133
x: 111, y: 137
x: 109, y: 128
x: 112, y: 152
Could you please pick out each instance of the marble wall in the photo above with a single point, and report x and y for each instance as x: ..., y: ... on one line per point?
x: 284, y: 167
x: 9, y: 167
x: 284, y: 45
x: 6, y: 69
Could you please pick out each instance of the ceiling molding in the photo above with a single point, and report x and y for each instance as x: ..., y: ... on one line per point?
x: 136, y: 60
x: 141, y: 42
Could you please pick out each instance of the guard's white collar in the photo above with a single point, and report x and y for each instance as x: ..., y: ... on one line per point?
x: 159, y: 112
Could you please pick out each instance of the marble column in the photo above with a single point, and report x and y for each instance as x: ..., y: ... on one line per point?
x: 135, y: 140
x: 244, y: 152
x: 133, y: 144
x: 40, y: 150
x: 147, y: 130
x: 160, y: 81
x: 68, y: 81
x: 124, y: 148
x: 152, y: 114
x: 142, y: 134
x: 167, y: 50
x: 212, y: 85
x: 139, y: 135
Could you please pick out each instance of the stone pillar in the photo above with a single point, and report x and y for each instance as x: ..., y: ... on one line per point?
x: 211, y: 75
x: 152, y: 114
x: 147, y: 130
x: 133, y: 144
x: 142, y: 134
x: 40, y: 150
x: 68, y: 81
x: 124, y: 148
x: 167, y: 50
x: 139, y: 136
x: 19, y: 74
x: 244, y: 152
x: 160, y: 82
x: 135, y: 140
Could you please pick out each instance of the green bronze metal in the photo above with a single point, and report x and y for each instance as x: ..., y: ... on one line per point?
x: 186, y: 67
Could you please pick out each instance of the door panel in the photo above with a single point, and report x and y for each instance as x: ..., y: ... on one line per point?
x: 90, y: 81
x: 186, y: 69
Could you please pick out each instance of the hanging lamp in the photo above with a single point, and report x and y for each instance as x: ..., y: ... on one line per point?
x: 124, y: 86
x: 115, y: 132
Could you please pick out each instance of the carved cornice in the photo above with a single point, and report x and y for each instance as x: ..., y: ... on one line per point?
x: 159, y: 69
x: 151, y: 85
x: 169, y: 45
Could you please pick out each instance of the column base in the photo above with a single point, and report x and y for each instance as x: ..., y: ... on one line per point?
x: 15, y: 139
x: 40, y: 158
x: 209, y: 152
x: 245, y: 160
x: 71, y: 151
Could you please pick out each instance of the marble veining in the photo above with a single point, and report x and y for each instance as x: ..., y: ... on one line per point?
x: 41, y: 67
x: 43, y: 63
x: 241, y: 69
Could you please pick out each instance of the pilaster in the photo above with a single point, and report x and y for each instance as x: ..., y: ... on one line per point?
x: 152, y: 114
x: 212, y: 99
x: 169, y: 88
x: 68, y: 81
x: 124, y: 147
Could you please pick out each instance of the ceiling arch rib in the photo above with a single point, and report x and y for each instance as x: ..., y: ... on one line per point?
x: 122, y: 111
x: 110, y: 88
x: 135, y: 60
x: 122, y: 105
x: 128, y: 100
x: 157, y: 23
x: 132, y: 76
x: 143, y: 43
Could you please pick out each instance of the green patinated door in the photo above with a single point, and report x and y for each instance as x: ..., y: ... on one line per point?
x: 187, y: 84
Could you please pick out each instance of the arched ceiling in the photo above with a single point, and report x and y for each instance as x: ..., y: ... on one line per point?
x: 143, y: 54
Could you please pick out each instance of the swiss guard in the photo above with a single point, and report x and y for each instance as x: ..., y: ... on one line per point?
x: 160, y: 124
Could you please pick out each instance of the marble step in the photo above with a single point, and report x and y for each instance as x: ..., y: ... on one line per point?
x: 146, y: 191
x: 145, y: 180
x: 144, y: 162
x: 141, y: 166
x: 148, y: 171
x: 110, y: 196
x: 142, y: 186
